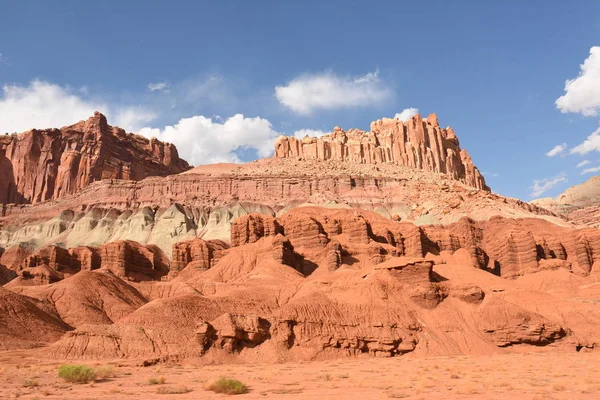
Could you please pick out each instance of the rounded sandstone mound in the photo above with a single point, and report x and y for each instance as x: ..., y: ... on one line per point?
x: 26, y: 323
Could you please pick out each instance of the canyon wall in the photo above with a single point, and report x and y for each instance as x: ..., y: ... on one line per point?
x: 417, y: 143
x: 47, y: 164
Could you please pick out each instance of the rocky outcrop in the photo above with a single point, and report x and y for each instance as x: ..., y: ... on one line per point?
x: 250, y: 228
x: 126, y: 259
x: 417, y: 143
x: 132, y: 260
x: 41, y: 165
x: 233, y: 333
x: 197, y: 254
x: 505, y: 247
x: 6, y: 274
x: 508, y: 324
x: 12, y: 257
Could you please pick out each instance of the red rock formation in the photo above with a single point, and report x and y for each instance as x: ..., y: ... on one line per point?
x: 202, y: 254
x: 251, y: 227
x: 512, y: 247
x: 34, y: 276
x: 508, y: 324
x: 133, y: 260
x: 277, y: 183
x: 126, y: 259
x: 54, y: 257
x: 89, y: 297
x: 418, y: 143
x: 505, y: 247
x: 233, y: 333
x: 84, y: 258
x: 14, y: 256
x: 47, y: 164
x: 6, y: 275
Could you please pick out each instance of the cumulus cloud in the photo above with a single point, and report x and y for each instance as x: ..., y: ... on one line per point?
x: 583, y: 163
x: 327, y: 91
x: 541, y: 186
x: 309, y: 132
x: 202, y: 140
x: 592, y: 143
x: 590, y: 170
x: 157, y: 86
x: 582, y: 94
x: 46, y: 105
x: 133, y: 118
x: 556, y: 150
x: 42, y: 105
x: 406, y: 114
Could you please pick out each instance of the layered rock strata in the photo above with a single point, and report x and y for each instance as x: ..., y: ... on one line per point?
x: 505, y: 247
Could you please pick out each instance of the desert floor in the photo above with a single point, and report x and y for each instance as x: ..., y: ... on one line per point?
x: 514, y: 376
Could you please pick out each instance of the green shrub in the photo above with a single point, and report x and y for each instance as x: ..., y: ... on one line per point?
x: 228, y: 386
x: 77, y: 373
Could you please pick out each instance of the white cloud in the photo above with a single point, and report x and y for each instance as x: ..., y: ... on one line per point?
x: 3, y: 59
x: 327, y: 91
x: 556, y: 150
x: 202, y: 140
x: 133, y: 119
x: 590, y: 170
x: 157, y: 86
x: 583, y: 163
x: 46, y: 105
x: 42, y: 105
x: 592, y: 143
x: 583, y: 93
x: 406, y: 114
x: 541, y: 186
x: 309, y: 132
x: 199, y: 139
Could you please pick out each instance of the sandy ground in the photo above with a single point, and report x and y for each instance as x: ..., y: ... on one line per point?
x: 508, y: 376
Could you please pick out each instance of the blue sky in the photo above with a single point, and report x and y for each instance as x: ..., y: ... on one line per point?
x: 210, y: 76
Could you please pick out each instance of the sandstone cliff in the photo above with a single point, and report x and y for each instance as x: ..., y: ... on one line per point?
x: 418, y: 143
x: 47, y: 164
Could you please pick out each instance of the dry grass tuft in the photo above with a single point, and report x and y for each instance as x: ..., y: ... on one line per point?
x: 173, y: 390
x: 30, y: 383
x: 157, y: 381
x: 105, y: 372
